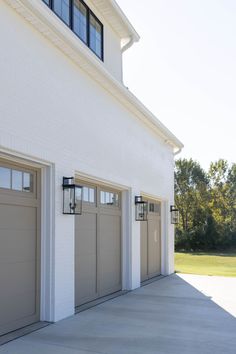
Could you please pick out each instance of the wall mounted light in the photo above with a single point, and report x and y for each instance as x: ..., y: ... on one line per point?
x: 174, y: 214
x: 140, y: 209
x: 72, y: 197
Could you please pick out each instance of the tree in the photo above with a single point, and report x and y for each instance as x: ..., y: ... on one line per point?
x: 207, y: 205
x: 191, y: 192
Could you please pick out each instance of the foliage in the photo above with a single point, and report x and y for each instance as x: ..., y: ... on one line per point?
x: 207, y: 204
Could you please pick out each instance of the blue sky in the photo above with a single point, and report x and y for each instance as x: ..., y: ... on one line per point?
x: 184, y: 70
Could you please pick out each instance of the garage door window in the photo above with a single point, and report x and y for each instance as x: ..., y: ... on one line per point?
x: 109, y: 198
x: 88, y: 194
x: 154, y: 208
x: 16, y: 180
x: 5, y: 178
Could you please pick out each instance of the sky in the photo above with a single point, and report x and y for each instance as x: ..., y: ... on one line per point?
x: 184, y: 70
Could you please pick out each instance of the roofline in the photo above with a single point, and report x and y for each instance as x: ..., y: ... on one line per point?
x: 126, y: 21
x: 116, y: 18
x: 46, y: 22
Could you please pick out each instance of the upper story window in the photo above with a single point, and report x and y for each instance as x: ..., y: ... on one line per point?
x: 62, y: 9
x: 82, y: 21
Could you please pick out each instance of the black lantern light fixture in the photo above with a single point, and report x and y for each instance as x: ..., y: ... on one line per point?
x: 140, y: 209
x: 174, y: 214
x: 72, y: 197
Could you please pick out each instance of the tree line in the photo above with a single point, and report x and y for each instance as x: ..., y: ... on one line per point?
x: 207, y: 205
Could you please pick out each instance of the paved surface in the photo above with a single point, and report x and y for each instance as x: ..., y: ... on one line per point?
x: 174, y: 315
x: 221, y: 290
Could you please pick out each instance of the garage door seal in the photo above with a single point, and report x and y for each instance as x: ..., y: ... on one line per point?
x: 152, y: 280
x: 22, y: 332
x: 99, y: 301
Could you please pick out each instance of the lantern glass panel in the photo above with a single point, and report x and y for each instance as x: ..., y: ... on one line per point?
x: 78, y: 200
x: 141, y: 211
x: 175, y: 217
x: 69, y: 200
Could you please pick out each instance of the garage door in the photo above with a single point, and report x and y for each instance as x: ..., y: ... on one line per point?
x: 151, y: 242
x: 19, y: 246
x: 98, y: 244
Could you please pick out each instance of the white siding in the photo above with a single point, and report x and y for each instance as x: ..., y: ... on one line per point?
x: 51, y: 110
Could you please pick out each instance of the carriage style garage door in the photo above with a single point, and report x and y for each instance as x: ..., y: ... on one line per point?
x: 98, y: 244
x: 19, y: 246
x: 151, y: 242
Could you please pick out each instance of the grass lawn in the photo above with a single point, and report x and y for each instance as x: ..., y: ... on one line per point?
x: 206, y: 263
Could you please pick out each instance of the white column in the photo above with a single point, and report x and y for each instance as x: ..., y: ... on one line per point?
x: 64, y: 251
x: 135, y: 258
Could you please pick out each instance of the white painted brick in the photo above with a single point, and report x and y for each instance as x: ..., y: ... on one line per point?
x: 51, y: 110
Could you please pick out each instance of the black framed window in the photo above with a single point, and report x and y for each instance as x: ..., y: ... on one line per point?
x: 95, y: 35
x: 62, y: 9
x: 81, y: 20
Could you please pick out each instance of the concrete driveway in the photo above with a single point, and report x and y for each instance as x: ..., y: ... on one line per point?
x: 174, y: 315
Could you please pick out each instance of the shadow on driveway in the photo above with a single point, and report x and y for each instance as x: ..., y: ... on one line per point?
x: 169, y: 316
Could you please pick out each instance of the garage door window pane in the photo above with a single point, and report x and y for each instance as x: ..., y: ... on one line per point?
x: 27, y: 182
x: 91, y: 195
x: 5, y: 178
x: 62, y: 9
x: 109, y: 198
x: 16, y: 180
x: 88, y: 195
x: 154, y: 208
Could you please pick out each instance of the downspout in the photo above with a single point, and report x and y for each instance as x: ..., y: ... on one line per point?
x: 128, y: 44
x: 123, y: 49
x: 178, y: 151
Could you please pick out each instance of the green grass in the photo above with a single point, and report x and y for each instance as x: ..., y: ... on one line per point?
x: 223, y: 264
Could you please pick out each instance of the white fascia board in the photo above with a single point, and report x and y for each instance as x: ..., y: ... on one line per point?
x: 46, y: 22
x: 116, y: 19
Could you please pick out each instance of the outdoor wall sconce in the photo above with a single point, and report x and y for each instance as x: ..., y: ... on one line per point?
x: 174, y: 214
x: 140, y: 209
x: 72, y: 197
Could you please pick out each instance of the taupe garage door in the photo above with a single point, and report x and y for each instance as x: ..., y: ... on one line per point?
x: 98, y: 244
x: 151, y: 242
x: 19, y: 246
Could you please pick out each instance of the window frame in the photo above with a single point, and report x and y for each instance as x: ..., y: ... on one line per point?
x: 88, y: 32
x: 111, y: 191
x: 71, y: 24
x: 23, y: 169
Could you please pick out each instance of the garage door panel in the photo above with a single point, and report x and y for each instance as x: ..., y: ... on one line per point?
x: 17, y: 246
x: 86, y: 283
x: 154, y: 252
x: 151, y: 242
x: 17, y: 217
x: 11, y: 311
x: 110, y: 253
x: 110, y: 280
x: 144, y: 251
x: 85, y: 258
x: 18, y: 278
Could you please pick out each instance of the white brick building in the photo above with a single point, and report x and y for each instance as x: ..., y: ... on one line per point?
x: 64, y: 111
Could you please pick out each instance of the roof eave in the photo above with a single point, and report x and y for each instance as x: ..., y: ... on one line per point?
x: 116, y: 19
x: 46, y: 22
